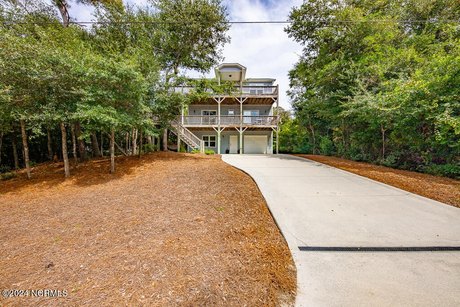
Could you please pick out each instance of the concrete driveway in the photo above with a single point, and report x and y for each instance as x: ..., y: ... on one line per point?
x: 320, y: 206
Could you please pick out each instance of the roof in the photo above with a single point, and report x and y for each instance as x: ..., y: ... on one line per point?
x: 230, y: 72
x: 271, y: 80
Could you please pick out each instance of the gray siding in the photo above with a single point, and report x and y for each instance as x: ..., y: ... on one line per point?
x: 263, y: 110
x: 225, y: 138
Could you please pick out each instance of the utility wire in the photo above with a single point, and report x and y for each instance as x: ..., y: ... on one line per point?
x: 252, y: 22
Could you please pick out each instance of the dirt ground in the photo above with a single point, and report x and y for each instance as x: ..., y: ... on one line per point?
x: 166, y: 229
x: 442, y: 189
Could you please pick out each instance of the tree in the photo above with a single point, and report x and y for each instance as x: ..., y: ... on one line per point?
x: 375, y: 80
x: 190, y: 36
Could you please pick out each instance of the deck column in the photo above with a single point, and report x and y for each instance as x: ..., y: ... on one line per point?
x: 218, y: 126
x: 277, y: 139
x: 178, y: 141
x: 241, y: 126
x: 218, y: 141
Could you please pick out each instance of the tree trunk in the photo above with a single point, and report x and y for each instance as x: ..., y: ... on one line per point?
x: 15, y: 151
x: 81, y: 143
x: 165, y: 139
x: 62, y: 6
x: 50, y: 147
x: 74, y: 144
x: 95, y: 145
x: 312, y: 129
x: 140, y: 143
x: 102, y: 143
x: 26, y: 147
x: 127, y: 142
x: 134, y: 141
x: 383, y: 141
x: 1, y: 145
x: 112, y: 151
x: 65, y: 156
x: 149, y: 140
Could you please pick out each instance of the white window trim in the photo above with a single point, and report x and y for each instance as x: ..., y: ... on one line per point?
x: 209, y: 140
x: 202, y: 112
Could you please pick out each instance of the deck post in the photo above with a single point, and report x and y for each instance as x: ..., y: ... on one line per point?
x: 241, y: 142
x: 241, y: 101
x: 277, y: 140
x: 218, y: 126
x: 182, y: 114
x: 178, y: 140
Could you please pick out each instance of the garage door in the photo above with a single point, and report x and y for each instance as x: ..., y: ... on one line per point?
x: 255, y: 144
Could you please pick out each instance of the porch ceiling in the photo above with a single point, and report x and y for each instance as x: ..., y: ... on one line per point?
x: 208, y: 128
x: 232, y: 101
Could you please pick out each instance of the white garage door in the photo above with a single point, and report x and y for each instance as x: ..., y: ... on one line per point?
x: 255, y: 144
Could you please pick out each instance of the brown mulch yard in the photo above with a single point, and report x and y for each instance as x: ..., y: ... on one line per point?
x: 442, y: 189
x: 166, y: 229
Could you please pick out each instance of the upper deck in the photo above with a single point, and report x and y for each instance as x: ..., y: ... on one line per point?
x: 251, y: 94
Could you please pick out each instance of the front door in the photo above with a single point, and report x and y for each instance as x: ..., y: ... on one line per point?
x: 233, y: 144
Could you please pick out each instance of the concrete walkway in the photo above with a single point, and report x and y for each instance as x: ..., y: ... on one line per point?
x: 318, y: 205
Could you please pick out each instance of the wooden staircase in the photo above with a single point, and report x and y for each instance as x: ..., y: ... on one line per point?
x: 187, y: 136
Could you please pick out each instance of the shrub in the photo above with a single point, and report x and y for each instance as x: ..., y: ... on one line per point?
x: 149, y: 148
x: 447, y: 170
x: 392, y: 160
x: 7, y: 176
x: 195, y: 151
x: 326, y: 146
x: 4, y: 169
x: 209, y: 152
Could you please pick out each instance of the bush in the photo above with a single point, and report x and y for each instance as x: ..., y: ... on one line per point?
x: 195, y: 151
x: 392, y: 160
x: 4, y: 169
x: 209, y: 152
x: 7, y: 176
x: 326, y: 146
x: 446, y: 170
x: 149, y: 148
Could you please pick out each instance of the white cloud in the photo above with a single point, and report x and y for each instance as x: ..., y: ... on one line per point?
x: 265, y: 49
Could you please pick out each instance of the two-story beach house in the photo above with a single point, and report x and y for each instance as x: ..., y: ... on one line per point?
x: 245, y: 121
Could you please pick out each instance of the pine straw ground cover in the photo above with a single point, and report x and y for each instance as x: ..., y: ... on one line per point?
x: 166, y: 229
x: 442, y: 189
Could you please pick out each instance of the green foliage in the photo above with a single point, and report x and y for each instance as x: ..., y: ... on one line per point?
x: 149, y: 148
x: 447, y: 170
x: 194, y: 44
x: 116, y: 76
x: 7, y: 176
x: 292, y: 139
x: 195, y: 151
x: 326, y: 146
x: 383, y: 92
x: 5, y: 168
x: 209, y: 152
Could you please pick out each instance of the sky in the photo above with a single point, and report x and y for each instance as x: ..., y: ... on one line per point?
x: 265, y: 49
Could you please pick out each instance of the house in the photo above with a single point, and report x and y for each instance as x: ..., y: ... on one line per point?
x: 244, y: 121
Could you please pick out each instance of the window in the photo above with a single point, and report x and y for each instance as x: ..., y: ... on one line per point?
x: 209, y: 140
x: 231, y: 112
x: 209, y: 113
x: 209, y: 117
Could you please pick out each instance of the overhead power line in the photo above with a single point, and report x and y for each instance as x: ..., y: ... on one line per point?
x: 331, y: 22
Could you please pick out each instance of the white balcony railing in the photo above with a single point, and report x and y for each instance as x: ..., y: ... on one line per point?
x: 229, y: 120
x: 238, y: 90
